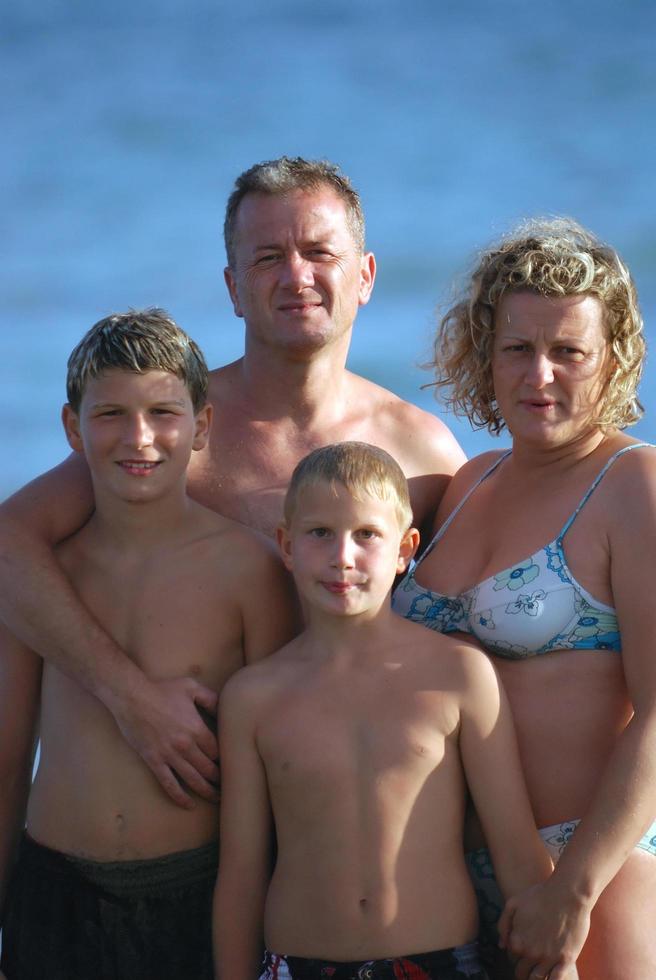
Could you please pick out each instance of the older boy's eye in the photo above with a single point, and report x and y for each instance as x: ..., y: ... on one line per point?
x: 319, y: 532
x: 366, y: 533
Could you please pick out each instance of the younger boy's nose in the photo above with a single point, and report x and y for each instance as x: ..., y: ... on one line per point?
x: 343, y: 552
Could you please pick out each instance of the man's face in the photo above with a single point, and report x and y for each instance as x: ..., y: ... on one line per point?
x: 298, y: 278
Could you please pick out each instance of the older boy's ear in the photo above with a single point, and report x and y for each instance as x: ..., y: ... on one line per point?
x: 407, y: 548
x: 284, y: 540
x: 71, y: 423
x: 202, y: 423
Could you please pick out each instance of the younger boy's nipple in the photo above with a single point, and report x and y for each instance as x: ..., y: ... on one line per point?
x: 363, y: 903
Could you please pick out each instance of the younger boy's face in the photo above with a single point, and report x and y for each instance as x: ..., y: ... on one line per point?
x: 345, y: 553
x: 137, y: 432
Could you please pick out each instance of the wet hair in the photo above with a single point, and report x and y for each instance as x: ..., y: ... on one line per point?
x: 287, y: 174
x: 362, y: 469
x: 138, y: 341
x: 553, y: 258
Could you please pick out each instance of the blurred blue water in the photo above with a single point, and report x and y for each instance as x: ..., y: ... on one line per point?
x: 125, y: 125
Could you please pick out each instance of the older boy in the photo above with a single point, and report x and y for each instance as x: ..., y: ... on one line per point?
x: 358, y: 737
x: 113, y: 880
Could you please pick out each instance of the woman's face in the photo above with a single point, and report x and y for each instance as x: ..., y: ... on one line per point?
x: 550, y: 364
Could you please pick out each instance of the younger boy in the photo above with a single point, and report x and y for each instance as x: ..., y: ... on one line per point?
x: 360, y: 737
x: 113, y: 880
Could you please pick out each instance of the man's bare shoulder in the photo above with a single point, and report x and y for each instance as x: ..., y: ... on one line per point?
x: 422, y: 441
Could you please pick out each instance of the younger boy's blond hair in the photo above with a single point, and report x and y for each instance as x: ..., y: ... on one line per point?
x: 363, y: 469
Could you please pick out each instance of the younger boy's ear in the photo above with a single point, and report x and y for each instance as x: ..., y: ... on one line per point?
x: 202, y: 424
x: 284, y: 540
x: 71, y: 423
x: 407, y: 548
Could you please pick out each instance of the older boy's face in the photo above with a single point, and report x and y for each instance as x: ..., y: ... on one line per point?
x: 137, y: 432
x: 344, y: 553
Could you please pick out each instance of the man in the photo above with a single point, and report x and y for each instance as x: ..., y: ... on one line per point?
x: 297, y: 273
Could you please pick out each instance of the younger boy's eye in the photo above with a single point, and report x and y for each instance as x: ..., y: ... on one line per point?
x: 367, y: 533
x: 319, y: 532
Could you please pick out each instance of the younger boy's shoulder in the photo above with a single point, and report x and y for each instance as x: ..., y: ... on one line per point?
x: 458, y: 662
x: 257, y: 682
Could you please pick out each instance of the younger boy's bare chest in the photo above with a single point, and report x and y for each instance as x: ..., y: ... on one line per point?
x: 352, y: 734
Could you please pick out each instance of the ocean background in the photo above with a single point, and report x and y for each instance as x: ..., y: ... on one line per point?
x: 124, y: 125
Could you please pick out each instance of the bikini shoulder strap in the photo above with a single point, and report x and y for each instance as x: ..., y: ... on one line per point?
x: 443, y: 527
x: 597, y: 480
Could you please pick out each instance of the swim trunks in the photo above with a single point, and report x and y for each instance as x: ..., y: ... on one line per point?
x: 444, y: 964
x: 72, y: 919
x: 531, y: 608
x: 488, y: 894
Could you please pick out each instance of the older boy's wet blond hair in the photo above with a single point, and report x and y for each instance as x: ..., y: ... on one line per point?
x: 554, y: 258
x: 364, y: 470
x: 138, y: 341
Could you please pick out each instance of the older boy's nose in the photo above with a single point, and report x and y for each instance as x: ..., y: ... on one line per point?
x: 139, y: 431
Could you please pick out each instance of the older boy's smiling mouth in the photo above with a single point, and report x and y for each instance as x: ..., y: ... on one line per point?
x: 140, y: 467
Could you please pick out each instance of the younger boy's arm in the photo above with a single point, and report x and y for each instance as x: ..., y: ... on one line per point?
x: 20, y: 691
x: 245, y: 835
x: 494, y: 775
x: 37, y: 602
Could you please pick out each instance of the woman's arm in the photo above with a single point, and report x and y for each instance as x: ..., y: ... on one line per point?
x: 37, y: 602
x: 624, y: 804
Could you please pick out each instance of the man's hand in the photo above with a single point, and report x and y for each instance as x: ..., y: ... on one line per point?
x: 543, y: 932
x: 162, y: 723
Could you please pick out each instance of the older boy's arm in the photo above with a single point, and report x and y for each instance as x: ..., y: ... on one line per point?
x: 493, y: 769
x: 158, y: 719
x: 20, y: 688
x: 244, y: 865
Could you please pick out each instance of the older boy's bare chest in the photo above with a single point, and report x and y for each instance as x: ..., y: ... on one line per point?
x: 167, y: 613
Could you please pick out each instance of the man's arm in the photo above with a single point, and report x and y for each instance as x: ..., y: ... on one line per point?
x: 20, y: 690
x: 158, y: 719
x: 270, y: 608
x: 244, y: 865
x: 494, y: 775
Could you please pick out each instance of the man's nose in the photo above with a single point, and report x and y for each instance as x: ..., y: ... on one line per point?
x: 297, y: 271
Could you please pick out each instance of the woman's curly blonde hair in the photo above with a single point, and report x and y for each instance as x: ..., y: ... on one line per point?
x: 551, y: 257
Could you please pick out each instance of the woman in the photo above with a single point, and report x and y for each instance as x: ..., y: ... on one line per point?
x: 548, y: 343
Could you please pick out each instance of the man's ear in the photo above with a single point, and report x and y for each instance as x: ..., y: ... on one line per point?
x: 230, y: 282
x: 202, y: 425
x: 283, y: 537
x: 407, y: 548
x: 367, y: 277
x: 71, y: 423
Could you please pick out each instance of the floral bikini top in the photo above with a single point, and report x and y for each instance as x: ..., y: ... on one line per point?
x: 531, y: 608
